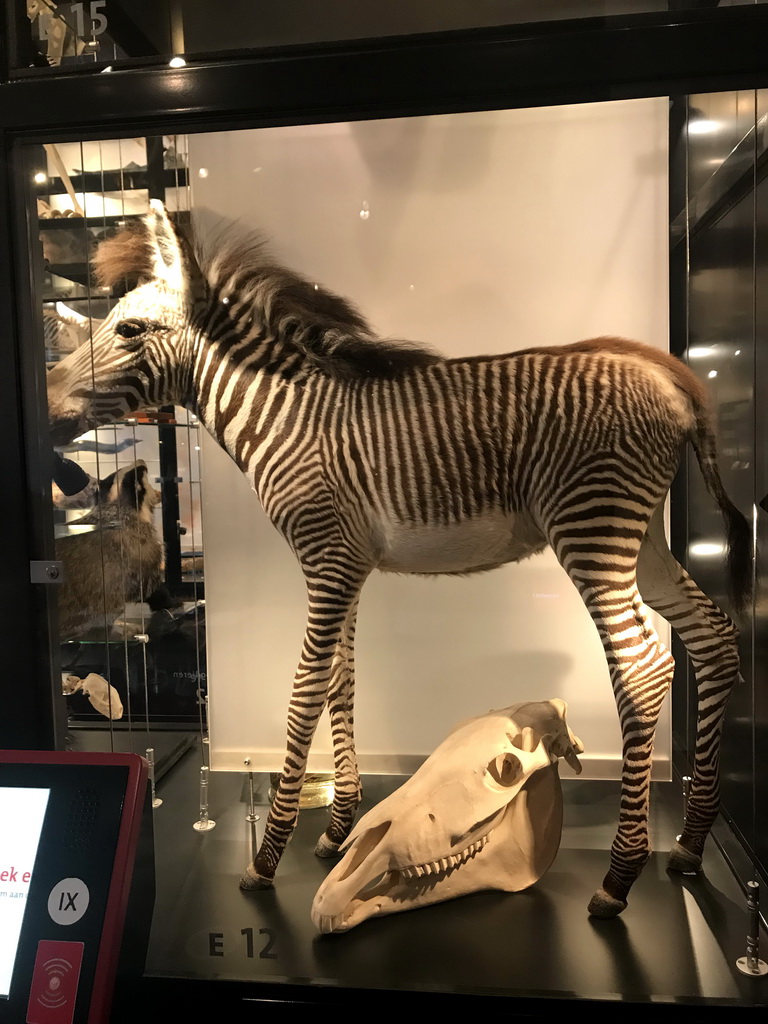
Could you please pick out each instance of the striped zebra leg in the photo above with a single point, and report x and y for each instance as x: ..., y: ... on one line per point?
x: 341, y: 697
x: 603, y: 570
x: 332, y: 593
x: 711, y: 639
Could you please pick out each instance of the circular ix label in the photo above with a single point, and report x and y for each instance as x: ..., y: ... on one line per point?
x: 68, y: 900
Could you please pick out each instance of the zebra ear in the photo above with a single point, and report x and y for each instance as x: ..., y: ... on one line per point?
x: 167, y: 259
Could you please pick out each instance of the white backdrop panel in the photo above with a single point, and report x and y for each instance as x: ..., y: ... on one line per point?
x: 482, y: 232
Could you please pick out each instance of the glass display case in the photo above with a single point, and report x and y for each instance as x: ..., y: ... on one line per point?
x: 476, y: 217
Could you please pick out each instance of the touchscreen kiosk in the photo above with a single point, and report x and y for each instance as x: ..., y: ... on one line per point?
x: 75, y: 844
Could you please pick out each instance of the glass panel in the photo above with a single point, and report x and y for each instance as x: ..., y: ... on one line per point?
x: 725, y: 227
x: 71, y: 35
x: 51, y: 34
x: 130, y: 616
x: 427, y: 240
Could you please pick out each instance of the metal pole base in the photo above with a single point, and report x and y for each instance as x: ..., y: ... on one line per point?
x: 156, y: 800
x: 751, y: 964
x: 753, y: 967
x: 204, y: 825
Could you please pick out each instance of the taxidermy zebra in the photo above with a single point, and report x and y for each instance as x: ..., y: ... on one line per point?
x: 371, y: 454
x: 117, y: 561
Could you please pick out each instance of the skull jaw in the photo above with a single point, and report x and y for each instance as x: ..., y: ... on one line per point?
x: 518, y: 851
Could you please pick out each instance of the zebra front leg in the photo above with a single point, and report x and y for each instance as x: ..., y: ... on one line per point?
x: 711, y: 639
x: 330, y: 600
x: 341, y: 696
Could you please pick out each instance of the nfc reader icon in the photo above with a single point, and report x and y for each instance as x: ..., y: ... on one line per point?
x: 55, y: 970
x: 53, y: 993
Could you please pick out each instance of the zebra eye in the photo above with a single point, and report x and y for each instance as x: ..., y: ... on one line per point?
x: 131, y: 328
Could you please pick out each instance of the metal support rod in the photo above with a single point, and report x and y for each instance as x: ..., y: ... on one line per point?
x: 156, y: 801
x: 687, y: 780
x: 169, y: 468
x: 204, y: 824
x: 751, y: 964
x: 251, y: 815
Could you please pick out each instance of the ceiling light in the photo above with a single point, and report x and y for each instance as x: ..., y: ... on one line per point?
x: 702, y: 126
x: 706, y: 550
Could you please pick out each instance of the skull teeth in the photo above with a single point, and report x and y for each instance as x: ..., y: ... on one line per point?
x: 447, y: 864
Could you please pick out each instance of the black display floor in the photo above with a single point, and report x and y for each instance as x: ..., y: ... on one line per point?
x: 677, y: 942
x: 168, y: 744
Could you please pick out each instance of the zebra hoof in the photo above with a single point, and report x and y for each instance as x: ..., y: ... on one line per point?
x: 326, y: 847
x: 683, y: 860
x: 604, y: 906
x: 252, y: 880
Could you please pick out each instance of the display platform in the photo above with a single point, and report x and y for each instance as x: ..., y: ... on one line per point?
x: 677, y: 942
x: 168, y: 744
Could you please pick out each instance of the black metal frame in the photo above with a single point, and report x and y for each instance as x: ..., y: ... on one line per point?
x: 514, y: 66
x: 529, y: 65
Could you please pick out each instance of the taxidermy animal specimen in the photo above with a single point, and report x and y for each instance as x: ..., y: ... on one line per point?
x: 374, y: 454
x: 117, y: 561
x: 484, y: 811
x: 102, y: 695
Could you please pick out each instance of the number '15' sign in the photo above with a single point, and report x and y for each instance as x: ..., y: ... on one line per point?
x: 86, y: 19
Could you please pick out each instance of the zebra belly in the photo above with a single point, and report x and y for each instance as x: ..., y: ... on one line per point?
x: 472, y: 545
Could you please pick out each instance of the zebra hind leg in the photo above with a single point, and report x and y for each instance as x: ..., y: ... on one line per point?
x: 347, y: 788
x: 604, y: 572
x: 711, y: 639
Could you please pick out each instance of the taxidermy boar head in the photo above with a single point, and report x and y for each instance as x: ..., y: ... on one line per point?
x: 483, y: 812
x: 118, y: 557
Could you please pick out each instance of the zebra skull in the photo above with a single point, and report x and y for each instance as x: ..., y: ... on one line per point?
x: 483, y: 812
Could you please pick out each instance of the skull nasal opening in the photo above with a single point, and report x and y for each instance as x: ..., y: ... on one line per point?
x: 364, y: 846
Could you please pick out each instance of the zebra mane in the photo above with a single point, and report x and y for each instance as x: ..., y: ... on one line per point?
x: 124, y: 260
x: 327, y: 328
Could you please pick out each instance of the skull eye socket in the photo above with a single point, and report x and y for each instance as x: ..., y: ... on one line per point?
x: 505, y: 771
x: 131, y: 328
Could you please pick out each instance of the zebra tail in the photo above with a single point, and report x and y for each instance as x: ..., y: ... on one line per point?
x: 738, y: 529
